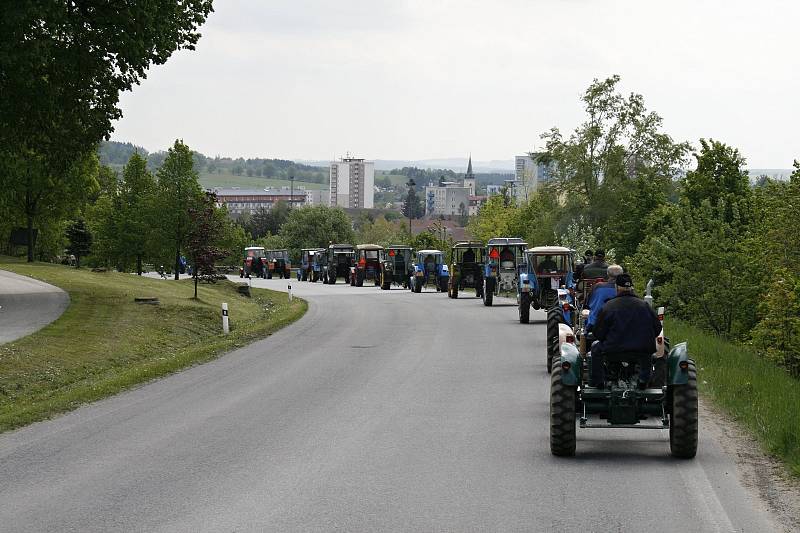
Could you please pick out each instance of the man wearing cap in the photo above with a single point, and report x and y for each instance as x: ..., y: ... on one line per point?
x: 587, y: 258
x: 626, y: 324
x: 597, y: 268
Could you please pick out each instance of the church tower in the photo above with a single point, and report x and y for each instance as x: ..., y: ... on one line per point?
x: 469, y: 178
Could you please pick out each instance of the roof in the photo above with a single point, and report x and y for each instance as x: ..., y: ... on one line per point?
x: 277, y: 250
x: 254, y: 248
x: 426, y: 252
x: 399, y: 247
x: 549, y: 250
x: 369, y: 247
x: 341, y: 246
x: 468, y: 244
x: 508, y: 241
x: 223, y: 192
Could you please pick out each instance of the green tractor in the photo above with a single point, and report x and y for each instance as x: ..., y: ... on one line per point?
x: 466, y: 268
x: 398, y: 266
x: 669, y: 400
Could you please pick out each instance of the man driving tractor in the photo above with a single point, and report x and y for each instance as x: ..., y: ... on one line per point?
x: 626, y: 324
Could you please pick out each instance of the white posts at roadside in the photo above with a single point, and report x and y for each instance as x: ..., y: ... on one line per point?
x: 225, y: 326
x: 290, y: 292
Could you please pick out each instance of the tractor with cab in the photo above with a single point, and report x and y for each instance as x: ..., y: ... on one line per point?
x: 309, y: 267
x: 430, y: 270
x: 466, y: 268
x: 278, y: 264
x: 367, y: 265
x: 504, y: 258
x: 398, y: 266
x: 338, y: 262
x: 255, y: 262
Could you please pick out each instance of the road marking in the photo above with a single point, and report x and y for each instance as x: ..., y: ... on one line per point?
x: 709, y: 508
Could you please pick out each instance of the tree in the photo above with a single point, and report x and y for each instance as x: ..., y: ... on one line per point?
x: 412, y: 206
x: 134, y: 211
x: 38, y: 192
x: 619, y: 141
x: 205, y: 231
x: 64, y: 65
x: 80, y: 240
x: 316, y: 227
x: 177, y: 192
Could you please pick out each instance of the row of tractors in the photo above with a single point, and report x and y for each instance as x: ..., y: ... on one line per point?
x: 541, y: 278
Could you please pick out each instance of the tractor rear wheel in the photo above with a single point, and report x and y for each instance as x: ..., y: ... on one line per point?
x: 488, y: 293
x: 524, y: 308
x: 554, y: 318
x: 683, y: 419
x: 455, y: 290
x: 562, y: 414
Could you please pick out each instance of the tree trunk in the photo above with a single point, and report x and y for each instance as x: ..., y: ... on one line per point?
x: 195, y: 284
x: 77, y: 261
x: 177, y: 264
x: 30, y: 237
x: 139, y: 264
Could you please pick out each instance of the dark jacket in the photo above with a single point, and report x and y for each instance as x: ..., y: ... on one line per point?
x: 627, y: 324
x: 597, y: 269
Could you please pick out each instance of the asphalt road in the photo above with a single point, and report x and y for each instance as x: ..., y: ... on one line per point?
x: 376, y: 412
x: 27, y: 305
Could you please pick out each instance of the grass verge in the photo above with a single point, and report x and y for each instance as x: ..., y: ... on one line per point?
x: 759, y: 395
x: 105, y: 343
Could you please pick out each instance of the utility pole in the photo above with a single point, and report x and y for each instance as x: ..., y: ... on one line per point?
x: 291, y: 190
x: 410, y: 207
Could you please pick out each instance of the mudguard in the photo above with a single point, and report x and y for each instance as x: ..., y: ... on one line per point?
x: 678, y: 354
x: 570, y: 354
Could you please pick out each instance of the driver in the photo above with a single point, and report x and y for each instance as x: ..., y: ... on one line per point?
x: 468, y: 257
x: 506, y: 258
x: 601, y: 293
x: 547, y: 265
x: 626, y: 324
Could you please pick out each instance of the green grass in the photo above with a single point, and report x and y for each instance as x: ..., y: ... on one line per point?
x: 105, y: 343
x: 251, y: 182
x: 758, y: 394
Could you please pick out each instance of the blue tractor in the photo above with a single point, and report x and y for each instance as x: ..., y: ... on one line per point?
x: 504, y: 259
x: 430, y: 270
x: 310, y: 269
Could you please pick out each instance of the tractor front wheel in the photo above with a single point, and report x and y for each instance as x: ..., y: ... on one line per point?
x: 683, y: 419
x: 488, y: 292
x: 455, y: 290
x: 562, y: 414
x: 524, y: 308
x: 554, y: 318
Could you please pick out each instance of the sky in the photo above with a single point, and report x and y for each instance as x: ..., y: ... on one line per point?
x: 421, y: 79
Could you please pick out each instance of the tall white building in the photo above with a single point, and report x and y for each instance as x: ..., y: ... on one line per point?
x: 352, y: 183
x: 529, y: 174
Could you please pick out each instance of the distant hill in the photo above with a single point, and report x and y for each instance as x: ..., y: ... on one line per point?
x: 774, y: 173
x: 456, y: 164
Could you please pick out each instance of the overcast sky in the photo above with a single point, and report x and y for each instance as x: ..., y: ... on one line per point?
x: 417, y: 79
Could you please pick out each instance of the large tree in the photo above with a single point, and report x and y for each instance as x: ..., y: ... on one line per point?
x: 316, y: 227
x: 135, y: 212
x: 63, y: 64
x: 177, y: 192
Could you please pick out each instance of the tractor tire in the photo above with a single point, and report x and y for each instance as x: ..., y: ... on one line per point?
x: 443, y: 285
x: 488, y: 293
x: 455, y: 291
x: 417, y: 287
x: 304, y: 276
x: 385, y: 285
x: 683, y: 423
x: 562, y: 414
x: 331, y: 280
x: 524, y: 308
x: 269, y: 274
x: 554, y: 318
x: 359, y: 280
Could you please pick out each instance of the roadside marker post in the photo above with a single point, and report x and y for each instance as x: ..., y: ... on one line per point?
x: 225, y: 325
x: 290, y: 292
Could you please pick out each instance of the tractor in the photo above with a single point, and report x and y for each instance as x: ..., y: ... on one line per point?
x: 668, y: 401
x: 338, y: 263
x: 309, y: 267
x: 504, y: 257
x: 466, y: 268
x: 367, y: 266
x: 397, y: 266
x: 255, y: 262
x: 278, y: 264
x: 430, y: 270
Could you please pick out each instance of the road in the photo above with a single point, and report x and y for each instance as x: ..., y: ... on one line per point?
x: 377, y: 411
x: 27, y: 305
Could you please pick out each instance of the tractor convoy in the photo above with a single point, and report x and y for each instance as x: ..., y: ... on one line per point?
x: 543, y: 278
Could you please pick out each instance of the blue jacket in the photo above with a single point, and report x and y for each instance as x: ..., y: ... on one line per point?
x: 627, y: 324
x: 601, y: 293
